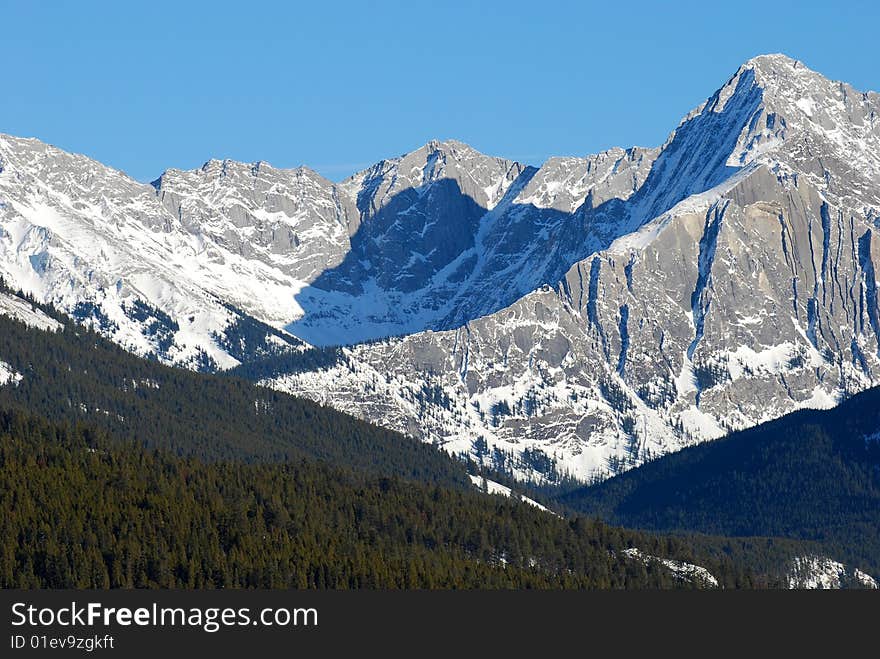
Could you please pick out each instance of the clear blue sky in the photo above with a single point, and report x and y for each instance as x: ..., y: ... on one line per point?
x: 338, y: 85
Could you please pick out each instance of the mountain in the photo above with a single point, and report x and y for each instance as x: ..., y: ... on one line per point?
x: 573, y: 319
x: 107, y: 251
x: 810, y: 475
x: 446, y: 234
x: 734, y: 281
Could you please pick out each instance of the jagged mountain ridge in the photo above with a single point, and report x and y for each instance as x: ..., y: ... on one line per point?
x: 446, y: 235
x: 289, y: 248
x: 104, y: 248
x: 578, y: 303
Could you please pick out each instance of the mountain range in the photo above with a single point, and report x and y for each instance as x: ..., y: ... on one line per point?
x: 572, y: 320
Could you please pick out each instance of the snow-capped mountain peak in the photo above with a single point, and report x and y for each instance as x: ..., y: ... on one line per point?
x: 739, y: 285
x: 823, y: 129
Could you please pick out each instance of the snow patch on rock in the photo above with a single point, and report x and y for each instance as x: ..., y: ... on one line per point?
x: 685, y: 571
x: 823, y: 573
x: 8, y: 374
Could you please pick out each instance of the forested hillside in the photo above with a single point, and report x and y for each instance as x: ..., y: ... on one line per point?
x: 117, y: 472
x: 812, y: 475
x: 76, y: 375
x: 84, y: 511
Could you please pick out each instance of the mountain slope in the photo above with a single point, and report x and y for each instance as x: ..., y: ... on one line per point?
x: 230, y: 485
x: 183, y: 523
x: 103, y: 248
x: 446, y: 234
x: 67, y: 374
x: 811, y: 475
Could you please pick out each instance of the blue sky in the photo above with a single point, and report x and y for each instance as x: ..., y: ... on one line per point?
x: 339, y: 85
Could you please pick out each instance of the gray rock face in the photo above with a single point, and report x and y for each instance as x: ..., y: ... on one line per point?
x: 290, y: 219
x: 415, y: 239
x: 446, y: 235
x: 417, y: 214
x: 732, y: 281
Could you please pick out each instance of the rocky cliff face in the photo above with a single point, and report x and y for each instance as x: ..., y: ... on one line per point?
x: 292, y: 220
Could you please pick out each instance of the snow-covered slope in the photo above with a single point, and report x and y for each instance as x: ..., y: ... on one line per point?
x: 491, y: 487
x: 685, y: 571
x: 806, y: 572
x: 8, y: 375
x: 445, y: 234
x: 430, y: 239
x: 105, y: 249
x: 737, y: 283
x: 23, y: 311
x: 290, y: 221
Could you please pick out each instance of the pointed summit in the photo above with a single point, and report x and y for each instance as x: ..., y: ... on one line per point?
x: 770, y: 61
x: 447, y: 145
x: 780, y: 74
x: 778, y: 112
x: 484, y: 178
